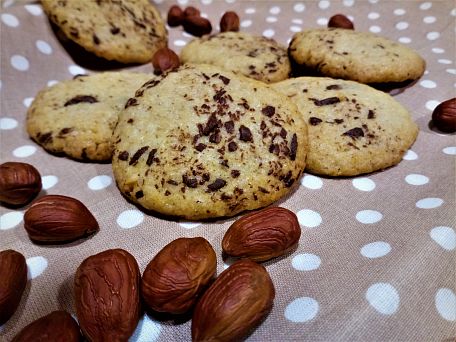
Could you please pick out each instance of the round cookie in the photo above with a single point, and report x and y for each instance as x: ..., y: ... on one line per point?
x: 125, y: 31
x: 202, y: 142
x: 353, y: 128
x: 358, y: 56
x: 77, y: 117
x: 256, y: 57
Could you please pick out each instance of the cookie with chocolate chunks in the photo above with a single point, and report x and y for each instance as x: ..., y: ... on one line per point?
x: 201, y: 142
x: 77, y: 117
x: 353, y: 128
x: 256, y: 57
x: 121, y: 30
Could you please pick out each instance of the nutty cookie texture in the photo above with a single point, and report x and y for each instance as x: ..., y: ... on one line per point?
x: 201, y: 142
x: 357, y: 56
x: 353, y: 128
x: 128, y: 31
x: 256, y: 57
x: 77, y: 117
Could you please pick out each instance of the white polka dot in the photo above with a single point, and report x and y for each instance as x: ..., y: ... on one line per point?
x: 373, y: 15
x: 438, y: 50
x: 19, y: 63
x: 444, y: 236
x: 363, y: 184
x: 324, y: 4
x: 410, y: 155
x: 158, y: 2
x: 429, y: 203
x: 180, y: 42
x: 375, y: 29
x: 309, y: 218
x: 402, y: 25
x: 274, y: 10
x: 302, y: 309
x: 428, y: 84
x: 444, y: 61
x: 376, y: 249
x: 311, y: 182
x: 76, y: 70
x: 306, y: 262
x: 246, y: 23
x: 416, y: 179
x: 351, y: 18
x: 425, y: 6
x: 34, y: 9
x: 322, y: 21
x: 7, y: 123
x: 1, y: 84
x: 299, y: 7
x: 297, y: 21
x: 399, y: 11
x: 10, y: 20
x: 99, y: 182
x: 24, y: 151
x: 429, y: 20
x: 147, y: 330
x: 36, y: 266
x: 271, y: 19
x: 433, y: 35
x: 182, y: 2
x: 445, y: 303
x: 27, y: 101
x: 230, y: 1
x: 373, y: 1
x: 52, y: 82
x: 204, y: 15
x: 10, y: 220
x: 250, y: 10
x: 348, y: 3
x: 268, y: 33
x: 451, y: 150
x: 368, y: 216
x: 405, y: 40
x: 383, y: 297
x: 295, y: 29
x: 431, y: 104
x: 453, y: 12
x: 451, y: 71
x: 49, y: 181
x: 43, y: 47
x: 130, y: 218
x: 189, y: 225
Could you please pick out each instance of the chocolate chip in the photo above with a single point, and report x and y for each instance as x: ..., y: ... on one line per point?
x: 263, y: 190
x: 200, y: 147
x: 130, y: 120
x: 131, y: 102
x: 190, y: 182
x: 371, y: 114
x: 210, y: 125
x: 235, y: 173
x: 137, y: 155
x: 123, y: 155
x: 314, y: 121
x: 355, y: 133
x: 151, y: 157
x: 139, y: 194
x: 80, y: 99
x: 245, y: 134
x: 229, y: 126
x: 65, y: 130
x: 45, y: 138
x: 232, y: 146
x: 268, y: 111
x: 115, y: 30
x: 293, y: 147
x: 216, y: 185
x: 334, y: 87
x: 338, y: 121
x: 215, y: 137
x: 327, y: 101
x: 283, y: 133
x: 224, y: 79
x: 96, y: 40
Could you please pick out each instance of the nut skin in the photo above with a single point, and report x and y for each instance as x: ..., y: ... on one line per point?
x: 13, y: 279
x: 58, y: 326
x: 229, y: 22
x: 444, y: 116
x: 340, y: 21
x: 197, y: 26
x: 175, y: 16
x: 106, y: 294
x: 58, y: 219
x: 191, y: 11
x: 238, y: 300
x: 262, y: 235
x: 176, y: 276
x: 165, y: 59
x: 19, y: 183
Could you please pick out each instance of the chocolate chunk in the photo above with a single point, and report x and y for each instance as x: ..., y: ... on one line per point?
x: 245, y: 134
x: 371, y: 114
x: 200, y: 147
x: 80, y: 99
x: 190, y: 182
x: 229, y: 126
x: 115, y: 30
x: 137, y: 155
x: 167, y: 193
x: 325, y: 102
x: 235, y: 173
x: 96, y: 40
x: 293, y: 147
x: 151, y: 157
x: 65, y: 130
x: 130, y: 120
x: 216, y: 185
x: 232, y: 146
x: 139, y: 194
x: 338, y: 121
x: 224, y: 162
x: 268, y: 111
x: 355, y: 133
x: 283, y: 133
x: 334, y: 87
x: 224, y: 79
x: 274, y: 148
x: 123, y: 155
x: 215, y: 138
x: 314, y: 121
x: 131, y: 102
x: 263, y: 190
x: 45, y: 138
x: 210, y: 125
x: 225, y: 197
x: 219, y: 96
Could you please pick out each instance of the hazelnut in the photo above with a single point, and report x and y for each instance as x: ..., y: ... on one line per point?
x: 229, y: 22
x: 165, y: 59
x: 340, y: 21
x: 197, y: 26
x: 444, y: 116
x: 175, y: 16
x: 191, y: 11
x: 19, y: 183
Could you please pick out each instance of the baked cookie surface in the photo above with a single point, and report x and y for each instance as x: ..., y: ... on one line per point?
x: 128, y: 31
x: 358, y: 56
x: 202, y: 142
x: 352, y: 128
x: 256, y: 57
x: 77, y: 117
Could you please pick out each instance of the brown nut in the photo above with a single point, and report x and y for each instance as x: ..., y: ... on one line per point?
x: 175, y: 16
x: 444, y: 116
x: 106, y: 295
x: 19, y: 183
x: 229, y: 22
x: 191, y: 11
x: 262, y: 235
x: 340, y: 21
x: 13, y: 278
x: 197, y: 26
x: 178, y: 274
x: 236, y: 303
x: 56, y: 219
x: 165, y: 59
x: 58, y: 326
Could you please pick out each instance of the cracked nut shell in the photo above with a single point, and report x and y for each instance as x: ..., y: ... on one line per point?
x: 19, y: 183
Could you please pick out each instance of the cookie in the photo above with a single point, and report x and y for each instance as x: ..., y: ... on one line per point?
x: 353, y: 128
x: 77, y: 117
x: 256, y: 57
x: 128, y: 31
x: 358, y: 56
x: 201, y: 142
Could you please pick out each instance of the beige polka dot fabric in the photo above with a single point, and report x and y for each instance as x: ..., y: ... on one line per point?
x: 377, y: 255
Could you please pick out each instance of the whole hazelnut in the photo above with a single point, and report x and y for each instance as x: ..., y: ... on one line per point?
x: 229, y: 22
x: 197, y: 26
x: 19, y: 183
x: 444, y: 116
x: 165, y: 59
x: 340, y: 21
x: 191, y: 11
x: 175, y: 16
